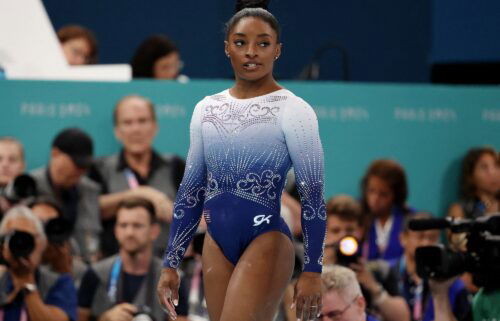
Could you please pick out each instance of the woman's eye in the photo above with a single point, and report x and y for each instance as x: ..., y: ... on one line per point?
x: 238, y: 43
x: 264, y: 44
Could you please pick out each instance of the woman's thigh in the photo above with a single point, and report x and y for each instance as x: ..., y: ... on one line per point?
x: 259, y: 279
x: 217, y: 271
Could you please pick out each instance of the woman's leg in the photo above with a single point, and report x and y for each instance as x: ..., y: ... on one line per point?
x: 217, y: 271
x: 259, y: 279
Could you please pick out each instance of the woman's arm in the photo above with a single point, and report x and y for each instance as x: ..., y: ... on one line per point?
x: 188, y: 204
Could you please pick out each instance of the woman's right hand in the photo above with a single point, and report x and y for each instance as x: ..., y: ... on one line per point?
x: 168, y: 291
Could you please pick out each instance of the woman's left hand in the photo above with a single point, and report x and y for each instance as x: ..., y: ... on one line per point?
x: 307, y: 296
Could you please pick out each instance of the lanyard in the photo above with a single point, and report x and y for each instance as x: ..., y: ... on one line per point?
x: 113, y: 280
x: 131, y: 179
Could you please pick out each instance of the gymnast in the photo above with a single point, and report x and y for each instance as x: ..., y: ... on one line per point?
x: 243, y: 141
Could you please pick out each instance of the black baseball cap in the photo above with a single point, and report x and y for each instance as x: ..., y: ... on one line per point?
x: 77, y: 144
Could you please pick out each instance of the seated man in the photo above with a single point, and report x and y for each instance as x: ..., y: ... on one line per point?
x: 64, y: 179
x: 342, y: 297
x: 11, y: 165
x: 27, y: 290
x: 119, y: 287
x: 137, y: 171
x: 379, y: 282
x: 415, y: 290
x: 11, y: 160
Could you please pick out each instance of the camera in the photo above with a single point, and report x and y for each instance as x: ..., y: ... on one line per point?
x: 143, y: 313
x: 21, y: 188
x: 347, y: 251
x: 20, y: 243
x: 58, y: 230
x: 481, y: 258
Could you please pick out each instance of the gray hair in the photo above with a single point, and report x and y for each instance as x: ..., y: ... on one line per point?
x: 22, y: 211
x: 341, y: 279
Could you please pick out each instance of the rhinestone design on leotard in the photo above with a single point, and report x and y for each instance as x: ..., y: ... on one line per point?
x: 243, y: 149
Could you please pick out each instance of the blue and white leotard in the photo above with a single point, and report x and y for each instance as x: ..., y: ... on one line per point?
x: 240, y: 153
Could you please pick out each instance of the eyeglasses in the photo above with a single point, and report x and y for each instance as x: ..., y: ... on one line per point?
x: 336, y: 314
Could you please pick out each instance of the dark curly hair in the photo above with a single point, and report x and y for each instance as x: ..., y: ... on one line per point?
x: 393, y: 174
x: 148, y: 53
x: 469, y: 162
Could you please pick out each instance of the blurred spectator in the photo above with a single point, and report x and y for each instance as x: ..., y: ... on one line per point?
x: 27, y: 290
x: 58, y: 254
x: 138, y: 170
x: 384, y: 193
x: 416, y: 290
x: 479, y: 194
x: 11, y: 165
x: 379, y: 282
x: 11, y: 160
x: 342, y: 297
x: 63, y: 179
x: 120, y: 286
x: 157, y: 57
x: 79, y: 45
x: 480, y: 184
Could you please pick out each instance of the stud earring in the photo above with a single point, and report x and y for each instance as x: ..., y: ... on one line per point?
x: 276, y: 58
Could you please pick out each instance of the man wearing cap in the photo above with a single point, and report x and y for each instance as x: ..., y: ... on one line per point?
x: 63, y: 179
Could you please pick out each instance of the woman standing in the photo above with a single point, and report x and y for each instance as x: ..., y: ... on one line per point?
x: 243, y: 142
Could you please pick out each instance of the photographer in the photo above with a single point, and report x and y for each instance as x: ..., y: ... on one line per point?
x: 422, y: 298
x: 121, y: 286
x: 58, y: 256
x: 11, y: 165
x: 378, y: 281
x: 28, y: 290
x: 63, y: 179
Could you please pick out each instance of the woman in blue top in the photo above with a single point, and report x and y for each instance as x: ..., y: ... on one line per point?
x: 244, y: 140
x: 385, y: 190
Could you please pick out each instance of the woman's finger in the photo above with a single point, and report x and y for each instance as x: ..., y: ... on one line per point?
x: 299, y: 305
x: 306, y: 309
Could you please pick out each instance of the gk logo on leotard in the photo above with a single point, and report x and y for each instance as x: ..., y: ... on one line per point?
x: 259, y: 219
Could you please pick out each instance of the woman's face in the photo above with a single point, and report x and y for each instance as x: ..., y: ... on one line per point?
x: 253, y: 47
x: 486, y: 175
x: 379, y: 196
x: 167, y: 67
x: 77, y: 51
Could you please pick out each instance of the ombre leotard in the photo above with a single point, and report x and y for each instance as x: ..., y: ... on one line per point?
x: 240, y: 153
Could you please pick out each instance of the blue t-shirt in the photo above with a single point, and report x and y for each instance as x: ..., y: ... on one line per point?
x: 62, y: 295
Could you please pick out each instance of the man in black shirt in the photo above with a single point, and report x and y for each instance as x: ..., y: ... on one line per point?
x: 138, y: 170
x: 124, y: 285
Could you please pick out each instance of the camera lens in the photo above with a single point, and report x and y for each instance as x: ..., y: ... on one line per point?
x: 21, y: 244
x: 58, y: 230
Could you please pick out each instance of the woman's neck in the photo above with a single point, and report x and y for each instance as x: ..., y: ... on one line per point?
x: 243, y: 89
x: 384, y: 217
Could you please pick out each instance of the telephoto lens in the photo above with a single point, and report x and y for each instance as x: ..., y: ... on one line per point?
x: 58, y: 230
x: 20, y: 244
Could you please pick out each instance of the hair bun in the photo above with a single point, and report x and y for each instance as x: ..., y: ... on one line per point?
x: 242, y: 4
